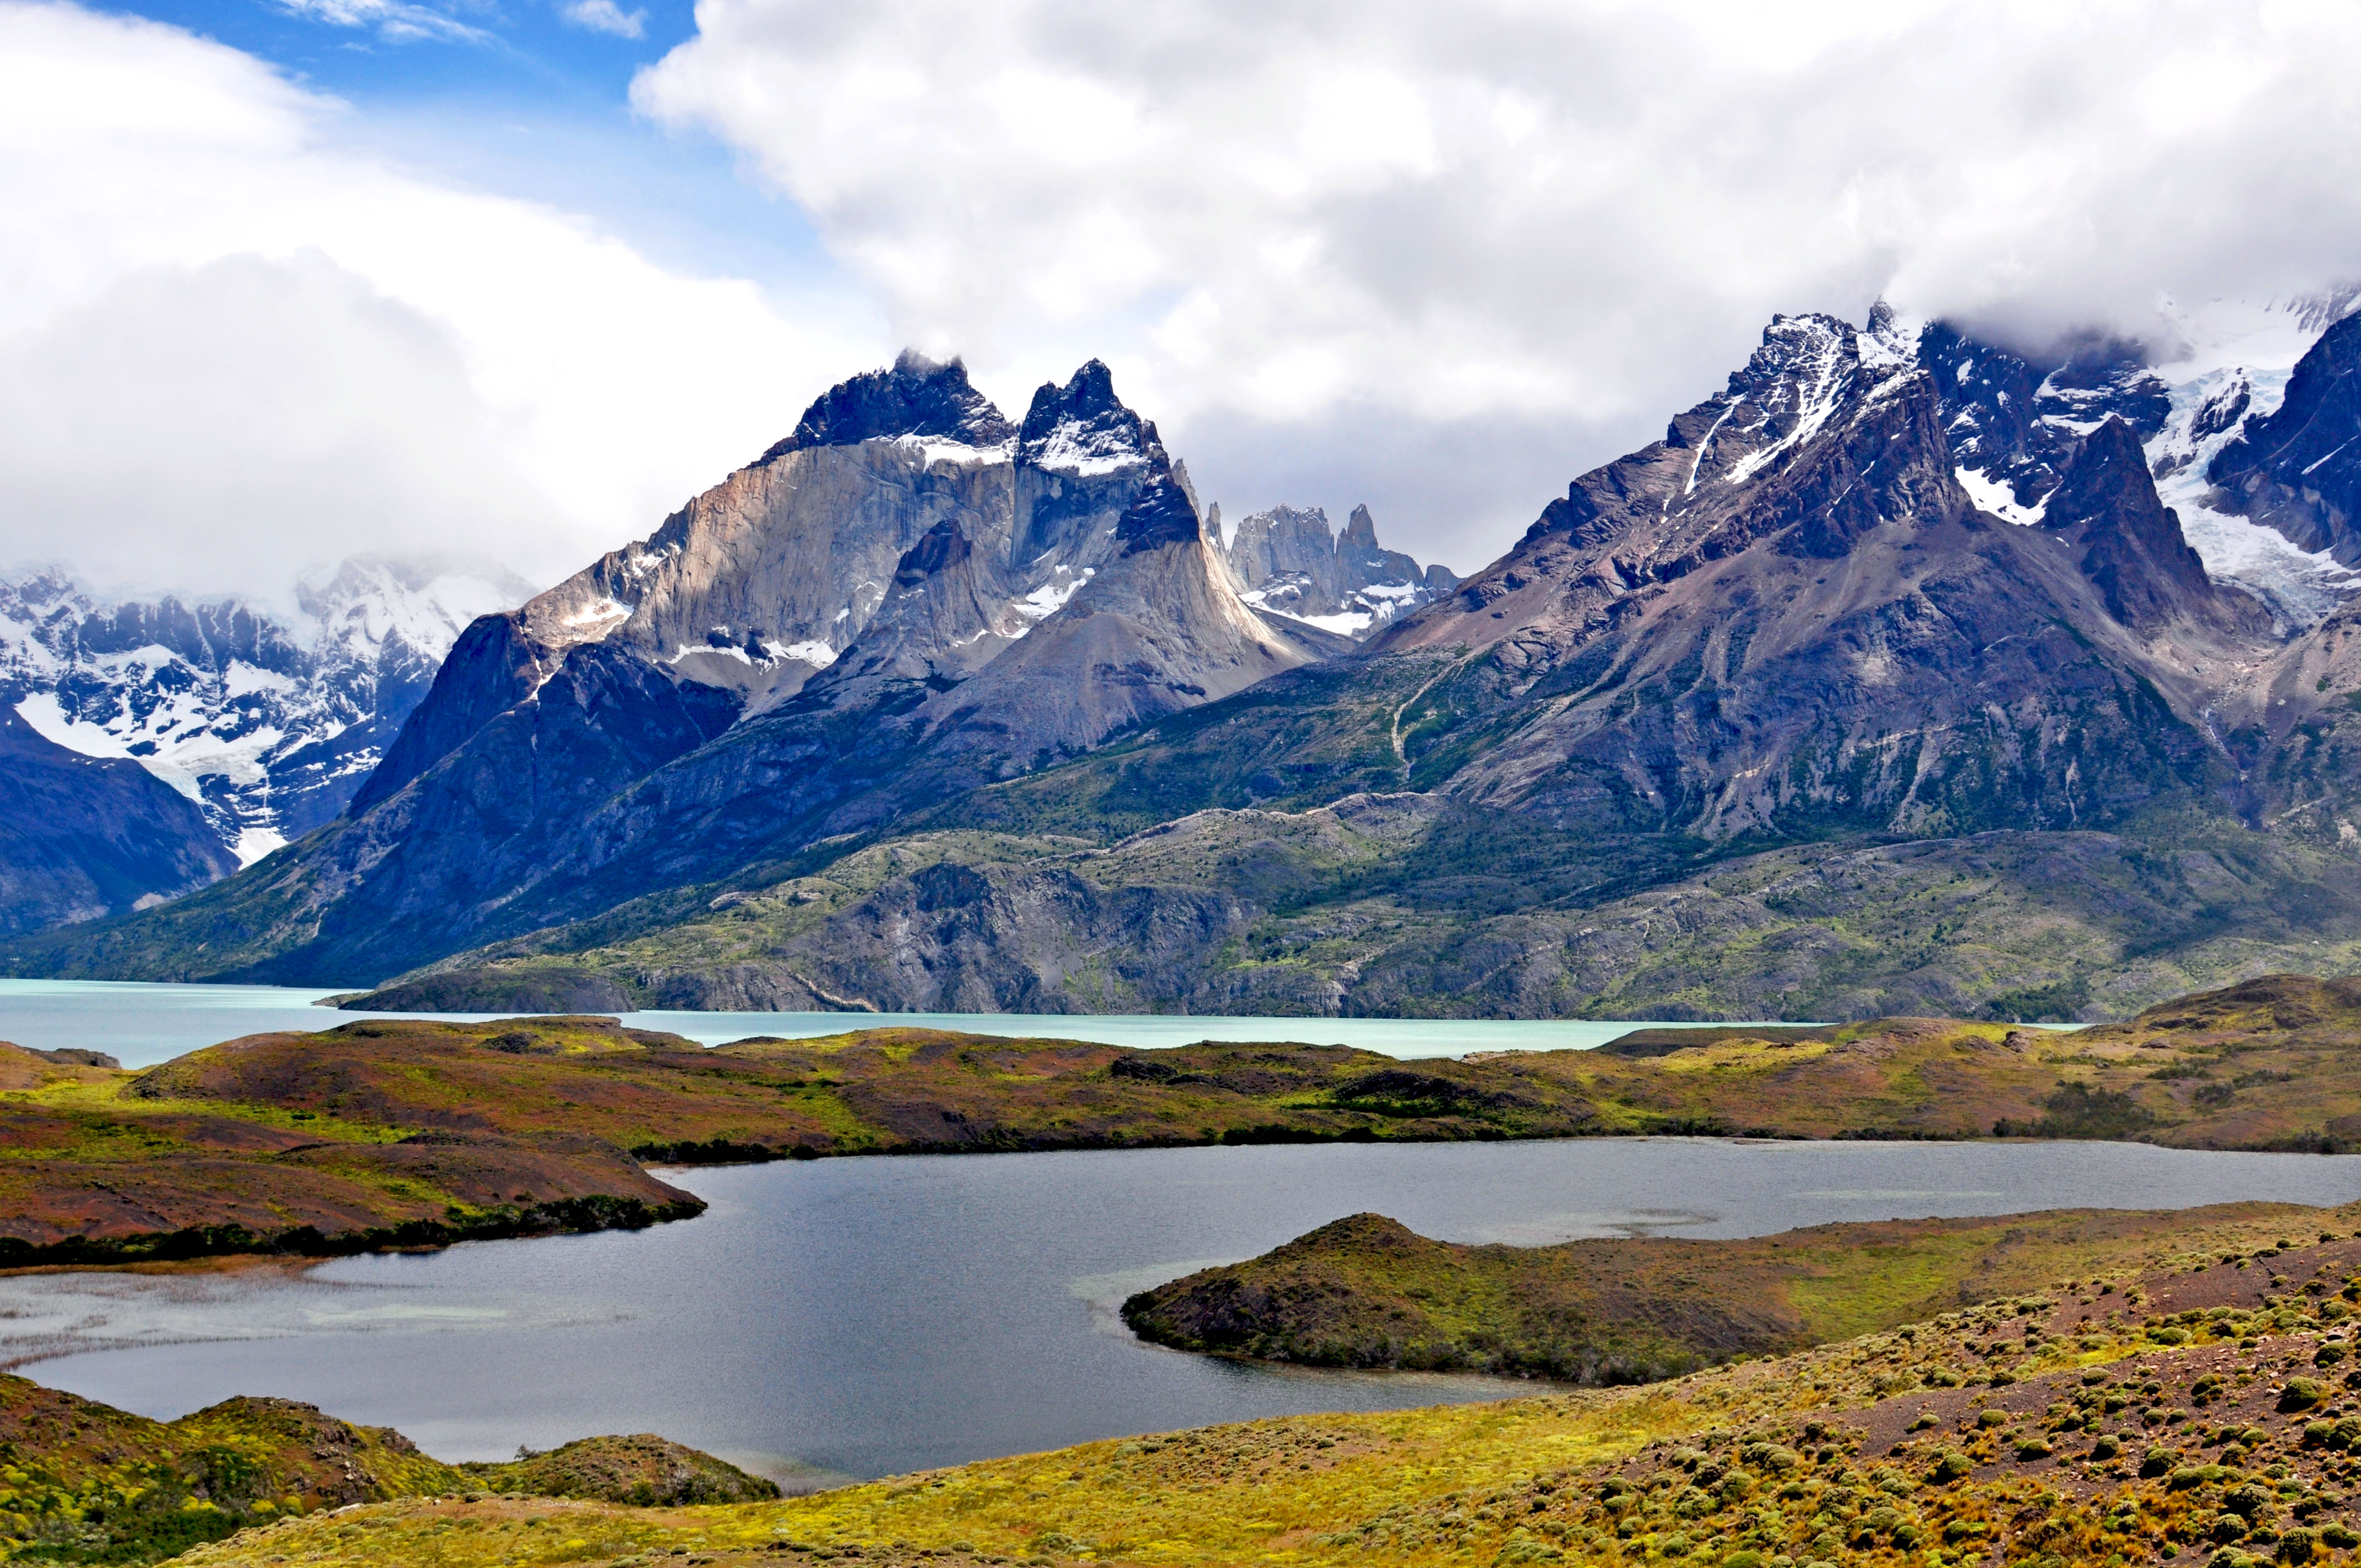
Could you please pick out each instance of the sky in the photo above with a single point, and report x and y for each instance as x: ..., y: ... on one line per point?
x: 282, y: 280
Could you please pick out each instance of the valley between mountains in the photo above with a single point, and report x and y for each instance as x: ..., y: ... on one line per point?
x: 1908, y: 673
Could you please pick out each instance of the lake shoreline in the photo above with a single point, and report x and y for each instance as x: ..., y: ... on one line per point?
x: 402, y: 1133
x: 878, y: 1317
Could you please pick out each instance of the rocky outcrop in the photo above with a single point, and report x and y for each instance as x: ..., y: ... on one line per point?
x: 82, y: 838
x: 2131, y: 547
x: 2298, y: 468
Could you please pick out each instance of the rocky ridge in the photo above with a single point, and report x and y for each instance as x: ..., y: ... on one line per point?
x: 82, y: 838
x: 906, y: 598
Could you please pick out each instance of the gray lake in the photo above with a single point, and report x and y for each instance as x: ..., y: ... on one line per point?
x: 863, y: 1316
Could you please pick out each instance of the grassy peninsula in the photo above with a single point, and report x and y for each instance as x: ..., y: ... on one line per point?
x: 410, y: 1132
x: 2160, y: 1402
x: 1365, y: 1292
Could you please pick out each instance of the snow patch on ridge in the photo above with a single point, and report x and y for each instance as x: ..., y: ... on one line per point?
x: 41, y: 711
x: 811, y: 650
x: 1072, y: 447
x: 933, y: 449
x: 1051, y: 597
x: 254, y: 843
x: 1992, y: 496
x: 1815, y: 369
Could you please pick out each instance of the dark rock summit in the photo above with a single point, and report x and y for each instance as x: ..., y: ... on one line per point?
x: 2019, y: 419
x: 2132, y: 548
x: 915, y: 397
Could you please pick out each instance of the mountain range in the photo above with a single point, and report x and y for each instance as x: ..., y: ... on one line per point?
x: 229, y: 726
x: 1907, y: 673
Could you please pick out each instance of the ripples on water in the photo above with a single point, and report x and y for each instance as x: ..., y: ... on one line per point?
x: 863, y: 1316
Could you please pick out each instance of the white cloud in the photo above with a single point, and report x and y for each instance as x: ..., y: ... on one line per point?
x: 1437, y: 258
x: 224, y: 335
x: 395, y: 20
x: 221, y: 427
x: 605, y: 17
x: 1556, y: 222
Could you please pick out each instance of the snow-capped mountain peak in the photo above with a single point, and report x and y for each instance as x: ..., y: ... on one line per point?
x: 269, y: 723
x: 1287, y: 562
x: 2189, y: 389
x: 1082, y: 428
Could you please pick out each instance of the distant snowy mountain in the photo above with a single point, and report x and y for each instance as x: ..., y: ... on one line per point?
x: 268, y: 723
x: 2267, y: 509
x: 1289, y: 561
